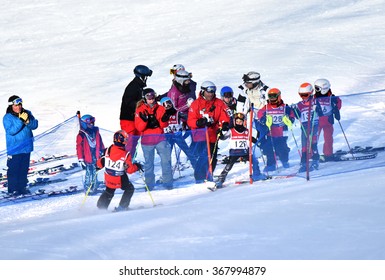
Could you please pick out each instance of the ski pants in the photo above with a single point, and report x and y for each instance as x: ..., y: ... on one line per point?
x: 106, y: 197
x: 201, y: 170
x: 327, y: 128
x: 177, y: 138
x: 17, y: 172
x: 275, y: 146
x: 313, y: 145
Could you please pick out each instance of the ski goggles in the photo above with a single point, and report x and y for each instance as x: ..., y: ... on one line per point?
x: 228, y: 94
x: 167, y: 104
x: 150, y: 96
x: 89, y: 120
x: 239, y: 116
x: 17, y: 101
x: 273, y: 96
x: 210, y: 89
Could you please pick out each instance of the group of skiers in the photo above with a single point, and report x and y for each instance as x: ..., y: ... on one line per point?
x: 161, y: 121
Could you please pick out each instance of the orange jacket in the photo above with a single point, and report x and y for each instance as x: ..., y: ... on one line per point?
x: 117, y: 163
x: 150, y: 136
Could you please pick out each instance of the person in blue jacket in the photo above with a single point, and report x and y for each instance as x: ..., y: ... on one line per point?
x: 18, y: 124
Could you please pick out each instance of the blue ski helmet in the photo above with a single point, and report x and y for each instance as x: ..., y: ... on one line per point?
x: 227, y: 91
x: 87, y: 121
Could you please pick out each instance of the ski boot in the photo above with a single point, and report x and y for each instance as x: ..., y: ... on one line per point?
x: 218, y: 184
x: 120, y: 209
x: 269, y: 168
x: 315, y: 164
x: 302, y: 168
x: 259, y: 177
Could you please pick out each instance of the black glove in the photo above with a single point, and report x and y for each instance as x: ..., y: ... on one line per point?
x: 139, y: 166
x: 201, y: 122
x: 225, y: 126
x: 152, y: 122
x: 143, y: 116
x: 336, y: 113
x: 168, y: 114
x: 254, y: 140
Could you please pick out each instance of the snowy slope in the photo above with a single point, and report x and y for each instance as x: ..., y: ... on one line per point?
x: 64, y: 56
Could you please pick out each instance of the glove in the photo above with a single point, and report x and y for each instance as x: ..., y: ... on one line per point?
x: 269, y: 121
x: 139, y: 166
x: 24, y: 116
x: 168, y: 114
x: 152, y: 122
x: 225, y: 126
x: 336, y: 113
x: 254, y: 140
x: 143, y: 116
x: 286, y: 120
x: 82, y: 163
x: 201, y: 122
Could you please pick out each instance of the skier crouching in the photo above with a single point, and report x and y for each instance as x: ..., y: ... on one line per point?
x: 117, y: 163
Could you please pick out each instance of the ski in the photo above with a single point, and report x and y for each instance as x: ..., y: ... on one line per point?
x: 349, y: 157
x: 8, y: 199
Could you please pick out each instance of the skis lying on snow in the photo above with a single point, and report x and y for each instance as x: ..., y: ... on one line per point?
x: 9, y: 199
x: 356, y: 153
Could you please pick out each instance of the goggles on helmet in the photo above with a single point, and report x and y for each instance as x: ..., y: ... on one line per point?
x: 305, y: 94
x: 17, y: 101
x: 150, y: 96
x: 273, y: 96
x: 210, y: 89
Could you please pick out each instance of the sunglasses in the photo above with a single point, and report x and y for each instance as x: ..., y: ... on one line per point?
x: 17, y: 101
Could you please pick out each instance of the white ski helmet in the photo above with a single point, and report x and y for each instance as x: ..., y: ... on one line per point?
x: 209, y: 87
x: 252, y: 77
x: 176, y: 68
x: 305, y: 90
x: 322, y: 86
x: 181, y: 76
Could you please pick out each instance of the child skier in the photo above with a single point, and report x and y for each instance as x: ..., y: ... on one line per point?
x: 89, y: 148
x: 308, y: 112
x: 239, y: 148
x: 117, y: 163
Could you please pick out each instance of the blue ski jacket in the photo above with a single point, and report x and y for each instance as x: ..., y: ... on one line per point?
x: 19, y: 136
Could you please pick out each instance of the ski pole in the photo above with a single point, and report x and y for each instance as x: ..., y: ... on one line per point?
x: 251, y: 143
x: 148, y: 190
x: 346, y: 139
x: 89, y: 188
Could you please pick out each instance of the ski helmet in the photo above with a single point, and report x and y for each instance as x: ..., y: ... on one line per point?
x: 322, y: 86
x: 252, y: 77
x: 227, y: 92
x: 305, y: 90
x: 209, y: 87
x: 87, y: 121
x: 176, y: 68
x: 274, y: 96
x: 142, y: 71
x: 181, y: 76
x: 166, y: 102
x: 120, y: 138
